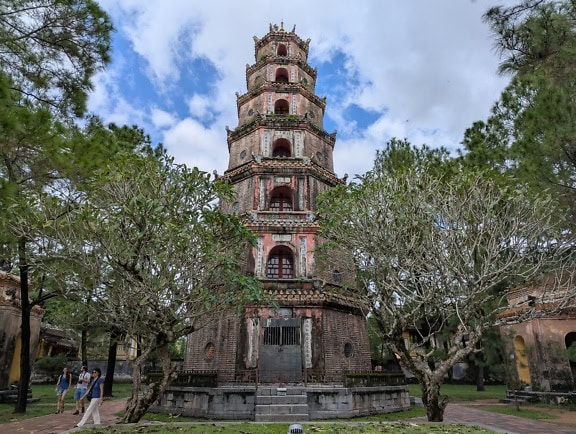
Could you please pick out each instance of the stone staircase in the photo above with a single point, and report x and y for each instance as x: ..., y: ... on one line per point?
x: 281, y: 404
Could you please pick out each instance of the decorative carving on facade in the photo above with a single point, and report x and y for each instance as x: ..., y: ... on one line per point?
x: 259, y: 256
x: 303, y: 256
x: 301, y: 190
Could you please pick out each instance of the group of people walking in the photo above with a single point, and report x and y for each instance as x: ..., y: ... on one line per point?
x: 89, y: 387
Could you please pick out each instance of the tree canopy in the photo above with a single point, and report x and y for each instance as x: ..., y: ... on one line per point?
x: 532, y: 130
x: 433, y: 241
x: 166, y: 256
x: 52, y: 48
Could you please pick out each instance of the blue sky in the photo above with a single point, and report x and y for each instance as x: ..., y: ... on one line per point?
x: 417, y: 69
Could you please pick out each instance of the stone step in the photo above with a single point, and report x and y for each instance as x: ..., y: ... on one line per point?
x: 282, y: 399
x: 281, y: 417
x: 281, y: 404
x: 278, y: 391
x: 282, y: 409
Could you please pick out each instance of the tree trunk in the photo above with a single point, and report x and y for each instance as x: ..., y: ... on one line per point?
x: 434, y: 404
x: 84, y: 347
x: 111, y: 366
x: 480, y: 378
x: 26, y: 309
x: 138, y: 404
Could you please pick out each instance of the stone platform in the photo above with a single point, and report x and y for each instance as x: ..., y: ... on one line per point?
x: 280, y: 403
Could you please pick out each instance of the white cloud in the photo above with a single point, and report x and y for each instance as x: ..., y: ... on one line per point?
x: 200, y: 107
x: 196, y: 146
x: 420, y: 66
x: 162, y: 119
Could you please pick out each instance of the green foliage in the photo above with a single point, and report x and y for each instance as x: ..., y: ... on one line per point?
x: 466, y: 392
x: 493, y: 356
x: 434, y: 244
x: 178, y: 348
x: 51, y: 49
x: 571, y: 352
x: 532, y: 130
x: 156, y: 253
x: 51, y: 365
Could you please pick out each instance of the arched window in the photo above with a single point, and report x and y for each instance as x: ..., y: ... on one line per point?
x: 280, y: 264
x: 281, y: 199
x: 282, y: 75
x: 281, y: 149
x: 282, y: 50
x: 281, y: 107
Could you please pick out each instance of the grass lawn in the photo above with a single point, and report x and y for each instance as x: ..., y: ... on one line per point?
x: 464, y: 392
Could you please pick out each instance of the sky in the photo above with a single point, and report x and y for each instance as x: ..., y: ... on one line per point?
x: 423, y: 70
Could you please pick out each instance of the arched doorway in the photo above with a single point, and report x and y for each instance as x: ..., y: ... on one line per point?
x: 570, y: 341
x: 521, y: 360
x: 280, y: 350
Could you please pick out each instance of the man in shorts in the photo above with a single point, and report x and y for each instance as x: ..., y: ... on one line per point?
x: 83, y: 380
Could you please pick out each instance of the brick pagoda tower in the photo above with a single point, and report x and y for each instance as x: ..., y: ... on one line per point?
x: 280, y: 160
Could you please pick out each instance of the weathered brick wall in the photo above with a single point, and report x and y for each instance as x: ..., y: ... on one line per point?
x: 242, y: 150
x: 335, y: 267
x: 260, y: 74
x: 342, y: 329
x: 249, y: 197
x: 260, y: 143
x: 316, y: 186
x: 223, y: 334
x: 293, y: 43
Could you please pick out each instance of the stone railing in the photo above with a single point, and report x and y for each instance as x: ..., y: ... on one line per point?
x: 188, y: 378
x: 268, y: 216
x: 310, y: 376
x: 374, y: 379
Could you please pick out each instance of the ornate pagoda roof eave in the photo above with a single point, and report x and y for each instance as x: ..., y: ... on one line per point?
x: 279, y: 122
x: 287, y: 88
x: 314, y: 297
x: 285, y: 228
x: 281, y: 35
x: 273, y: 59
x: 263, y: 165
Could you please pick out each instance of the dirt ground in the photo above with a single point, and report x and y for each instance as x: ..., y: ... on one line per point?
x: 563, y: 417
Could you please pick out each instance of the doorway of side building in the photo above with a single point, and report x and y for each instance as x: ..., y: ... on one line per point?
x: 521, y: 360
x: 281, y: 351
x: 570, y: 341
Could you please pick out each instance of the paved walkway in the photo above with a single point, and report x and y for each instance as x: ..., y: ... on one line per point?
x: 455, y: 413
x: 501, y: 423
x: 63, y: 422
